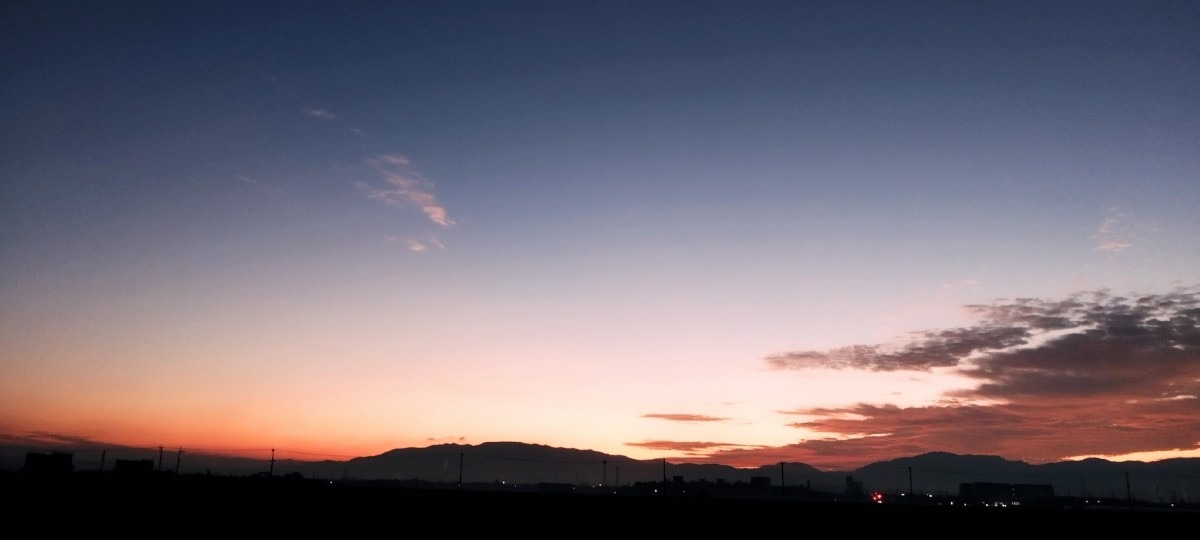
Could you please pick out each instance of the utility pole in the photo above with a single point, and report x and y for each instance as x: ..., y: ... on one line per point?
x: 160, y: 448
x: 782, y: 483
x: 664, y: 467
x: 1128, y: 491
x: 460, y: 469
x: 177, y: 458
x: 911, y: 496
x: 103, y: 454
x: 271, y: 471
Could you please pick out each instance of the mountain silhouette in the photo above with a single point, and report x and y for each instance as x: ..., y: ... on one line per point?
x: 931, y: 474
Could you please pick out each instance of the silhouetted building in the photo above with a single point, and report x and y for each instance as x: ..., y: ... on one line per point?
x: 555, y: 487
x: 1004, y: 494
x: 853, y: 488
x: 49, y: 464
x: 760, y: 481
x: 137, y: 467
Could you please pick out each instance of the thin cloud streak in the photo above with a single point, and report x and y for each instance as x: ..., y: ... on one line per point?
x: 415, y: 244
x: 681, y: 446
x: 445, y: 439
x: 686, y: 417
x: 404, y: 187
x: 1091, y: 374
x: 319, y: 113
x: 44, y: 438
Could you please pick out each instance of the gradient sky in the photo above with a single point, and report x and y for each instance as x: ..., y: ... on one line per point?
x: 738, y: 231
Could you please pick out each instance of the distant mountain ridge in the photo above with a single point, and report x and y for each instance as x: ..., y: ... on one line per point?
x: 933, y: 473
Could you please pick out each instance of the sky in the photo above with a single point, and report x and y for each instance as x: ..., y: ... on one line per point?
x: 737, y: 232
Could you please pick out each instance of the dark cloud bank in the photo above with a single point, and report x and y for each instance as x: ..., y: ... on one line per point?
x: 1094, y: 374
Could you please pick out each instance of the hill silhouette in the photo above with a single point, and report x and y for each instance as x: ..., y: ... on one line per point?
x: 934, y: 474
x: 534, y: 489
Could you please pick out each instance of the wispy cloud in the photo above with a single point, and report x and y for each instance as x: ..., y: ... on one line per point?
x: 1091, y: 374
x: 403, y: 186
x: 1116, y: 232
x: 319, y: 113
x: 43, y: 439
x: 681, y: 446
x: 415, y: 244
x: 271, y: 190
x: 446, y: 439
x: 943, y: 348
x: 686, y: 417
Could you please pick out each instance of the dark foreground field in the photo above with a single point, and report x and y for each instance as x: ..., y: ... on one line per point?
x: 185, y: 506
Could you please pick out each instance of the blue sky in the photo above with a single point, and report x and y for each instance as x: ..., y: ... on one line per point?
x: 347, y: 227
